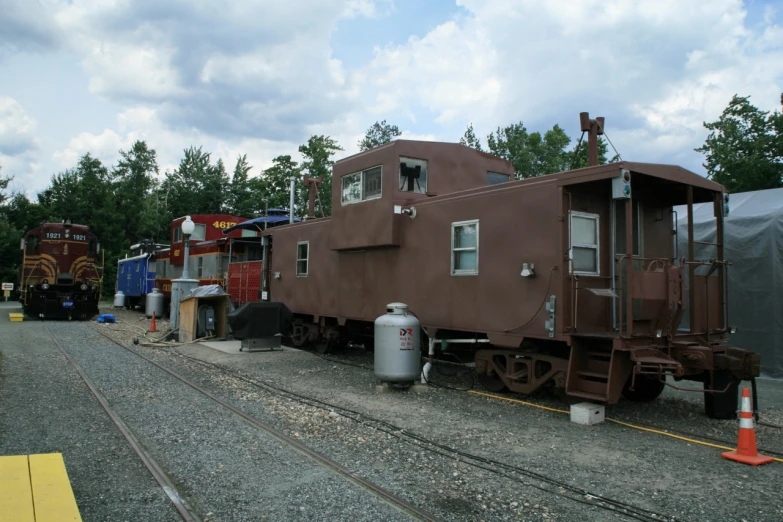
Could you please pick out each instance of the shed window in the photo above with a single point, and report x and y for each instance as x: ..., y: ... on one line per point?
x: 302, y: 257
x: 361, y: 186
x: 584, y: 243
x: 413, y: 175
x: 493, y: 178
x: 464, y: 248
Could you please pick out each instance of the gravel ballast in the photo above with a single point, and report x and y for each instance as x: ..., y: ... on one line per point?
x: 45, y: 407
x: 677, y: 478
x: 225, y: 468
x: 229, y: 471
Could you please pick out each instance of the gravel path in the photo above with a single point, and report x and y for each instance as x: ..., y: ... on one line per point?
x: 654, y: 472
x: 224, y: 467
x: 229, y: 470
x: 45, y: 407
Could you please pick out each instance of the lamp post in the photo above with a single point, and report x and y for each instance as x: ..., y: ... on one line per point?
x: 181, y: 287
x: 188, y: 227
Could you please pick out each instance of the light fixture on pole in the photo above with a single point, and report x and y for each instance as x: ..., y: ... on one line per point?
x: 182, y: 286
x: 188, y: 227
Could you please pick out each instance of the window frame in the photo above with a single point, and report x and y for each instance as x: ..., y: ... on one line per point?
x: 491, y: 172
x: 464, y: 272
x: 362, y: 197
x: 425, y: 189
x: 305, y: 259
x: 596, y: 246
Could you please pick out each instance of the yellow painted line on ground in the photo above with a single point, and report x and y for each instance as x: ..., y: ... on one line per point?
x: 16, y: 501
x: 52, y: 494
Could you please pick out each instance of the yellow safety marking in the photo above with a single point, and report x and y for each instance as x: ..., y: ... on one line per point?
x: 52, y: 494
x: 16, y: 501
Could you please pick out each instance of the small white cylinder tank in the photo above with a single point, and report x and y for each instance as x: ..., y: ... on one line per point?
x: 119, y: 299
x: 397, y: 346
x: 154, y: 303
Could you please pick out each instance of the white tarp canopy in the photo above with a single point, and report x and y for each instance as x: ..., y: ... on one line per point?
x: 753, y: 244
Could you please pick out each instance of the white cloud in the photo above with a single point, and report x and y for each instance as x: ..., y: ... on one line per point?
x: 244, y: 68
x: 652, y: 68
x: 19, y: 145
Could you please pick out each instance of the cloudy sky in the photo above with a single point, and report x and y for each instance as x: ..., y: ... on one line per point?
x: 258, y: 77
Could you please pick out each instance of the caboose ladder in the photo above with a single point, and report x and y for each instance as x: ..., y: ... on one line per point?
x: 588, y: 368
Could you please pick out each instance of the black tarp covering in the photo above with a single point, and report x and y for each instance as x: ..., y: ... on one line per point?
x: 257, y: 320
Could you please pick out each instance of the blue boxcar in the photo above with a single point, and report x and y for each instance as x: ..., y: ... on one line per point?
x: 136, y: 278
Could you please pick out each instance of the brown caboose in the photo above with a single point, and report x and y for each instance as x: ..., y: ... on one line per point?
x: 570, y: 280
x: 61, y: 275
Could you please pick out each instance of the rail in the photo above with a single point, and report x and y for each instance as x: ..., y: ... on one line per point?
x: 374, y: 489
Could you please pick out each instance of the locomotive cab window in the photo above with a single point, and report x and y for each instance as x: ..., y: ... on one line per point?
x: 584, y: 243
x: 464, y: 247
x: 199, y: 233
x: 413, y: 175
x: 32, y: 243
x: 362, y: 186
x: 302, y: 258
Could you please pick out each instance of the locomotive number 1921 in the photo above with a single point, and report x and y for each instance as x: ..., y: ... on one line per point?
x: 79, y: 237
x: 53, y: 235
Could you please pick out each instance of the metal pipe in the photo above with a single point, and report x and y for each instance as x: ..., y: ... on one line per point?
x: 185, y: 273
x: 691, y: 268
x: 291, y: 208
x: 613, y: 224
x: 629, y: 269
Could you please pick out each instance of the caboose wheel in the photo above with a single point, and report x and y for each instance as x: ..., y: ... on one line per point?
x: 646, y: 388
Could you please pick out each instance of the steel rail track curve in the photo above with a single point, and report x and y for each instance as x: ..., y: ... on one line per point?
x: 154, y: 468
x: 374, y: 489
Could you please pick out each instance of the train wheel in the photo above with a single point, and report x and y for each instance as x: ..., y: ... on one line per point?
x: 491, y: 382
x: 646, y: 388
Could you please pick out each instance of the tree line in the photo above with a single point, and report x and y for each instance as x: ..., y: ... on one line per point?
x: 130, y: 200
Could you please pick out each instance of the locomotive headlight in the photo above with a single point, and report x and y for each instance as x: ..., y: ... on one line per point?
x: 45, y: 286
x: 83, y: 287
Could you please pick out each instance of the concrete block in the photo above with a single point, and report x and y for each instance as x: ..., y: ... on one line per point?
x: 587, y: 414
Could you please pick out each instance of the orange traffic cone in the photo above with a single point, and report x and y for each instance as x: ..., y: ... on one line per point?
x: 746, y: 444
x: 152, y: 323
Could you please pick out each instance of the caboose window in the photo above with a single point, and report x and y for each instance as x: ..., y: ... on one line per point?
x: 464, y: 247
x: 493, y: 178
x: 361, y: 186
x: 584, y: 243
x: 302, y: 258
x: 413, y: 175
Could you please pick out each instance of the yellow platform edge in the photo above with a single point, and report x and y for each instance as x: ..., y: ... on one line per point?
x: 36, y: 488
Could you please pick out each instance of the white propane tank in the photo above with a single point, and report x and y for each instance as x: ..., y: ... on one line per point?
x: 397, y: 346
x: 154, y: 303
x: 119, y: 299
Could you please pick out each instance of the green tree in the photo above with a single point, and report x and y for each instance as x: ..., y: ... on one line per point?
x: 531, y: 154
x: 134, y: 177
x: 275, y: 184
x: 379, y: 134
x: 470, y: 139
x: 243, y: 198
x: 317, y: 162
x: 744, y: 149
x: 197, y: 186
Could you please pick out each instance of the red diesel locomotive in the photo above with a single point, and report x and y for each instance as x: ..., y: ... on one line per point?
x: 60, y: 275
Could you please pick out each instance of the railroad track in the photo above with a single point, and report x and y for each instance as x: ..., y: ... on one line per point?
x: 518, y: 474
x: 187, y: 511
